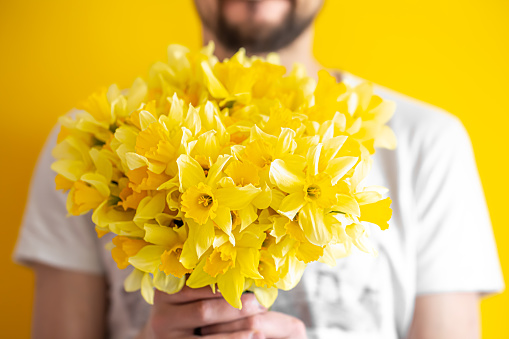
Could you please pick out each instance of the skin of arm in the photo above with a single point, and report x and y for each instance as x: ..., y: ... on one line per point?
x: 446, y: 315
x: 68, y: 304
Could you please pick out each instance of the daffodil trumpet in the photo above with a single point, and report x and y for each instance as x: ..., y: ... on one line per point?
x: 232, y: 174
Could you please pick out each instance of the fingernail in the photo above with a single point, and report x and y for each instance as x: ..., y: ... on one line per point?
x: 257, y: 335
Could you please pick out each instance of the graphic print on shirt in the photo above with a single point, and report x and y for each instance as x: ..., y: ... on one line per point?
x: 342, y: 299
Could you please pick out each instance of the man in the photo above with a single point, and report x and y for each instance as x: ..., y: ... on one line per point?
x: 433, y: 264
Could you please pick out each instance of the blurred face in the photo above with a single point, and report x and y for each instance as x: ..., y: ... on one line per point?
x: 258, y: 25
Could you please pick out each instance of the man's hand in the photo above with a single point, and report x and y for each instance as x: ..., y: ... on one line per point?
x: 271, y: 324
x: 182, y: 315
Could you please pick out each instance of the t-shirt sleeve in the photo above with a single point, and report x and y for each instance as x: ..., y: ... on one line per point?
x: 48, y: 235
x: 456, y: 251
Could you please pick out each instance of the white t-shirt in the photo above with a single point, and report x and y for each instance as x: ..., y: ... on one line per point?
x: 439, y: 240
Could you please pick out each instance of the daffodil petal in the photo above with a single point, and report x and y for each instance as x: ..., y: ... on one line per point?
x: 328, y: 257
x: 190, y: 172
x: 361, y: 172
x: 367, y: 197
x: 168, y: 283
x: 248, y: 259
x: 291, y: 273
x: 214, y: 86
x: 292, y: 204
x: 357, y: 232
x: 338, y: 167
x: 287, y: 180
x: 199, y: 278
x: 148, y: 208
x: 134, y: 160
x: 199, y: 240
x: 264, y: 199
x: 384, y: 111
x: 313, y: 158
x: 378, y: 213
x: 330, y: 148
x: 347, y: 204
x: 237, y: 198
x: 97, y: 181
x: 247, y: 216
x: 215, y: 170
x: 223, y: 220
x: 231, y: 286
x: 136, y: 95
x: 308, y: 252
x: 277, y: 199
x: 386, y: 138
x: 160, y: 235
x: 312, y: 223
x: 216, y: 265
x: 285, y: 142
x: 147, y: 289
x: 266, y: 296
x: 102, y: 163
x: 70, y: 169
x: 133, y: 281
x: 193, y: 121
x: 148, y: 258
x: 146, y: 118
x: 176, y: 115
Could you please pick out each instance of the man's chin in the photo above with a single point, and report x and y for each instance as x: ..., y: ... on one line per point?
x: 259, y: 26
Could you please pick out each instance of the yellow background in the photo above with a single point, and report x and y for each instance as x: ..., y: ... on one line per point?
x: 54, y: 53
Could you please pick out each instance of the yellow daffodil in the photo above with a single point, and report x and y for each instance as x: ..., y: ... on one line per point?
x: 226, y: 173
x: 207, y: 204
x: 72, y: 159
x: 232, y: 264
x: 328, y: 95
x: 310, y: 192
x: 125, y: 248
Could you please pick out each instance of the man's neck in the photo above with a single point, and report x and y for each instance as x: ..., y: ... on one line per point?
x: 300, y: 51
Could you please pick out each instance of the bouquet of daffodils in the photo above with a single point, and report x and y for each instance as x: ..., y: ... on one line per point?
x: 232, y: 174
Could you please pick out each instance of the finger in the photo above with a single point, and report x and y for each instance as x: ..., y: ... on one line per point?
x: 271, y: 324
x: 236, y: 335
x: 212, y: 311
x: 186, y: 295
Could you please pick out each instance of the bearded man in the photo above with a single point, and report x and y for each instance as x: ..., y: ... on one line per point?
x: 434, y: 263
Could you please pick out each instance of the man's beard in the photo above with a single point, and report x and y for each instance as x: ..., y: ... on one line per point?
x: 272, y: 40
